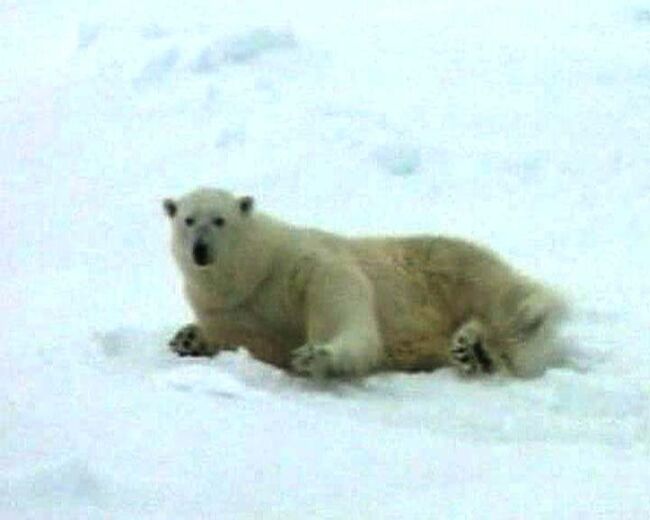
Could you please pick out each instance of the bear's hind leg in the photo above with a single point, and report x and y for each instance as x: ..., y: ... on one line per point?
x: 531, y: 334
x: 468, y: 349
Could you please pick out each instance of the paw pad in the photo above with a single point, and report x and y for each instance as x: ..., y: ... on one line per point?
x: 469, y: 354
x: 188, y: 342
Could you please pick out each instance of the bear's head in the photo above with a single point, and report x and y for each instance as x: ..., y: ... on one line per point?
x: 208, y: 227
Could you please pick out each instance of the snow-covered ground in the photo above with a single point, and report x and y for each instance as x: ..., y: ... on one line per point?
x: 522, y: 124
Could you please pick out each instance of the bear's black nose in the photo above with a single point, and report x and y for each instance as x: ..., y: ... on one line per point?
x: 201, y: 253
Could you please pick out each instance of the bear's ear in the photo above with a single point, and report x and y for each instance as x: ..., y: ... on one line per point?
x: 170, y: 207
x: 246, y: 205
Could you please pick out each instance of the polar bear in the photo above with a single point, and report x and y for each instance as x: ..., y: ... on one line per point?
x: 320, y: 304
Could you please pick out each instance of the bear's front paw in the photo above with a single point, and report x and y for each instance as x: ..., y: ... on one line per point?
x: 468, y: 352
x: 313, y: 360
x: 189, y: 341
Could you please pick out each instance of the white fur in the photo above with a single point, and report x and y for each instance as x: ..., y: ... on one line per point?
x: 322, y: 304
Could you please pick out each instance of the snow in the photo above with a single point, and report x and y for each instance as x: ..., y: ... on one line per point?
x: 520, y: 124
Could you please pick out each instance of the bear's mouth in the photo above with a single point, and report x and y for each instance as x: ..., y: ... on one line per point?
x: 201, y: 254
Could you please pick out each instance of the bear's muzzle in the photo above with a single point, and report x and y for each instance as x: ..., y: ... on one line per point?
x: 201, y: 253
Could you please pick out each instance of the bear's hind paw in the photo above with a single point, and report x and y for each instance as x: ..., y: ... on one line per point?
x: 468, y: 352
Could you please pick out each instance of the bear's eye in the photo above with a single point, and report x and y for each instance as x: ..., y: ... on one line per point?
x: 219, y: 221
x: 189, y: 221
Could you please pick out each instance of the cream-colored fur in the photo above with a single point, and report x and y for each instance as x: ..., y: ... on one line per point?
x: 322, y: 304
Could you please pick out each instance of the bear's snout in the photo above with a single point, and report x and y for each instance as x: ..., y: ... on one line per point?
x: 201, y: 253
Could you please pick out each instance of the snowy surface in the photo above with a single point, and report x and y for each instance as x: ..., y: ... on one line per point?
x: 522, y: 124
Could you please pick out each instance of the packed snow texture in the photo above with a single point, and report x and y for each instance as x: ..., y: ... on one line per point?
x: 523, y: 125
